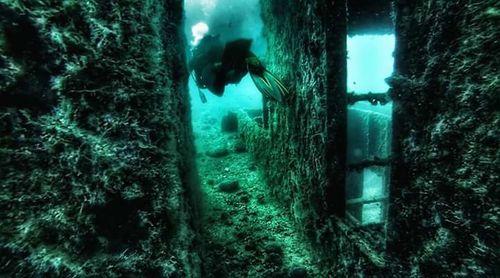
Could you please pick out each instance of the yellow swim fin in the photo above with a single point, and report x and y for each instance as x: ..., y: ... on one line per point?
x: 268, y: 84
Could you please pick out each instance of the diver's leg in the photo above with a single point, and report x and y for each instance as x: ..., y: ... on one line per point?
x: 266, y: 82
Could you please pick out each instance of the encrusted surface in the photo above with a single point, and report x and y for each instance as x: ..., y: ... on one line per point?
x: 302, y: 151
x: 444, y: 194
x: 100, y: 183
x: 445, y: 197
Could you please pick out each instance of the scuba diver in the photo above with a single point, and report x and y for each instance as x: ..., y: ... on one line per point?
x: 214, y: 65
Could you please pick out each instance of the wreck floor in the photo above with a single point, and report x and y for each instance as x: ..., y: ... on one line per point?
x: 247, y: 234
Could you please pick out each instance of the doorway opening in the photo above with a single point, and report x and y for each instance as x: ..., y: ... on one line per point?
x: 369, y: 132
x: 370, y: 61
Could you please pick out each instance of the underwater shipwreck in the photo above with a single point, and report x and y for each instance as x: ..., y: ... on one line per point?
x: 258, y: 138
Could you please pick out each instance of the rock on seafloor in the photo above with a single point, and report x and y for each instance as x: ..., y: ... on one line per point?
x: 229, y: 186
x: 229, y: 122
x: 240, y: 147
x: 298, y: 272
x: 218, y: 153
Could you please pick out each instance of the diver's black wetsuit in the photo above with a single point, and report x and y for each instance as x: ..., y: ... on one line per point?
x: 205, y: 62
x: 216, y: 64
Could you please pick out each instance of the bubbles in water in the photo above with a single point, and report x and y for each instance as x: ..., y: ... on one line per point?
x: 199, y: 30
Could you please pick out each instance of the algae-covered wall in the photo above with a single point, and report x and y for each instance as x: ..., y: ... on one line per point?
x: 444, y: 199
x: 307, y: 50
x: 302, y: 151
x: 95, y: 144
